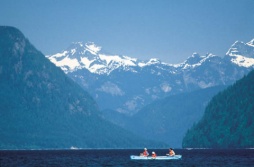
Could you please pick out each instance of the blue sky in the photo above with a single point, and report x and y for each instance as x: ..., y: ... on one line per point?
x: 170, y: 30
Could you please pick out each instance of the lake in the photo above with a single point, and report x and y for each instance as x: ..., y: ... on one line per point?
x: 121, y: 157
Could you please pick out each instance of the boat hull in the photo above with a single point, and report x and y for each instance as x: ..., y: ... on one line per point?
x: 136, y: 157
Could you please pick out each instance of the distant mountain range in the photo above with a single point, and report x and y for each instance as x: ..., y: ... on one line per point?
x: 42, y: 108
x: 126, y: 84
x: 168, y: 119
x: 151, y: 98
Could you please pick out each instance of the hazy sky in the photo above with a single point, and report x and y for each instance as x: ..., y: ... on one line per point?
x: 170, y: 30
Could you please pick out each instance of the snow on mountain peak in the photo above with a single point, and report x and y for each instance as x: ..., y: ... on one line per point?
x: 64, y: 61
x: 80, y: 44
x: 195, y: 54
x: 243, y: 61
x: 90, y: 56
x: 94, y: 49
x: 153, y: 61
x: 121, y: 60
x: 194, y: 59
x: 241, y: 48
x: 251, y: 43
x: 242, y: 53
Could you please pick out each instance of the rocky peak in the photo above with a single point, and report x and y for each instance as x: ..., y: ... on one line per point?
x: 251, y: 43
x: 241, y: 48
x: 194, y: 59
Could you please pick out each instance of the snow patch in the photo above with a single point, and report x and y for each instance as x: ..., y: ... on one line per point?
x: 133, y: 103
x: 73, y: 51
x: 115, y: 58
x: 251, y: 43
x: 111, y: 88
x: 57, y: 55
x: 204, y: 85
x: 93, y: 48
x: 243, y: 61
x: 86, y: 62
x: 71, y: 63
x: 98, y: 68
x: 142, y: 64
x: 165, y: 87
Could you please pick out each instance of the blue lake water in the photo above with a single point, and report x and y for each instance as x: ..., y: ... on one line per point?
x: 121, y: 157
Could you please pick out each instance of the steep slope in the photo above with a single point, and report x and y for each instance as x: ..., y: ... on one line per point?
x: 40, y: 107
x: 228, y: 121
x: 168, y: 119
x: 126, y: 84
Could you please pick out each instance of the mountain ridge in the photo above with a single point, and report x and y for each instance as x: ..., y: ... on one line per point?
x: 168, y: 119
x: 236, y: 49
x: 106, y: 76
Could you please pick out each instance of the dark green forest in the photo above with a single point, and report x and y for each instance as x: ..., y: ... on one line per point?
x: 41, y: 108
x: 228, y: 121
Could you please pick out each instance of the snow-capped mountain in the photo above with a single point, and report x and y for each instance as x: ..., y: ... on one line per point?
x: 242, y: 54
x: 90, y: 57
x: 126, y: 84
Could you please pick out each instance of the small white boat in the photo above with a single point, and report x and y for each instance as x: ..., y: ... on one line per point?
x: 136, y: 157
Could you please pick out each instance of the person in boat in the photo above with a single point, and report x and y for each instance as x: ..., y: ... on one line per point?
x: 171, y: 152
x: 145, y: 153
x: 154, y: 155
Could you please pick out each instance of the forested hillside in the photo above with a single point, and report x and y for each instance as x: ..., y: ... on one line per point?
x: 228, y: 121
